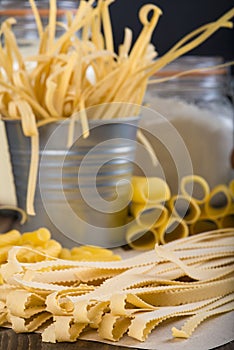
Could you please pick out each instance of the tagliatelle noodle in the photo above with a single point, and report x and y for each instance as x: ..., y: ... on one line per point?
x: 142, y: 325
x: 190, y: 325
x: 200, y: 35
x: 149, y: 283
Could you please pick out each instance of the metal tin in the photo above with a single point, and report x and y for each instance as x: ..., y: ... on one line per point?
x: 76, y: 188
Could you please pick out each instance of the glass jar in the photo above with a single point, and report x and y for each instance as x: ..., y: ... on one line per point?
x: 25, y: 28
x: 199, y: 107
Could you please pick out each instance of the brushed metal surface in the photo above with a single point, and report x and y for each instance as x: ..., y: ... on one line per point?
x: 112, y: 153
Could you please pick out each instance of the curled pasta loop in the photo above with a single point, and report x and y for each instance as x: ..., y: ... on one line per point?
x: 149, y: 215
x: 140, y: 238
x: 187, y: 187
x: 219, y: 202
x: 185, y: 208
x: 174, y: 229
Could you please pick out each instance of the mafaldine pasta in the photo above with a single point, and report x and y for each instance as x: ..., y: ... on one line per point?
x: 191, y: 278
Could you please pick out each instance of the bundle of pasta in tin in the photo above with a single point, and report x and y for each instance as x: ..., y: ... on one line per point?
x: 58, y: 87
x: 157, y: 216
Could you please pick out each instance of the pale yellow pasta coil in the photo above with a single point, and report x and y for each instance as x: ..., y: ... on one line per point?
x: 148, y: 215
x: 219, y: 202
x: 189, y: 187
x: 141, y: 238
x: 174, y: 229
x: 185, y: 207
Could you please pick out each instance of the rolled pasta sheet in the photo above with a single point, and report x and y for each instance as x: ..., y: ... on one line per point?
x: 185, y: 208
x: 196, y: 187
x: 149, y: 190
x: 231, y: 187
x: 204, y: 224
x: 219, y: 202
x: 148, y: 215
x: 140, y: 238
x: 174, y: 229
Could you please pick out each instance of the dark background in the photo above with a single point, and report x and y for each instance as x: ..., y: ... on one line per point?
x: 179, y: 18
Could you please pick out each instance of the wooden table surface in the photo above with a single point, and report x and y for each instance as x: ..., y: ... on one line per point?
x: 9, y: 340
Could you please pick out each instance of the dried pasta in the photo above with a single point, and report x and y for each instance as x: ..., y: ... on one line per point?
x: 149, y: 190
x: 219, y: 202
x: 130, y: 296
x: 194, y: 210
x: 41, y: 242
x: 141, y: 238
x: 173, y: 229
x: 149, y: 215
x: 58, y: 86
x: 184, y: 207
x: 187, y: 187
